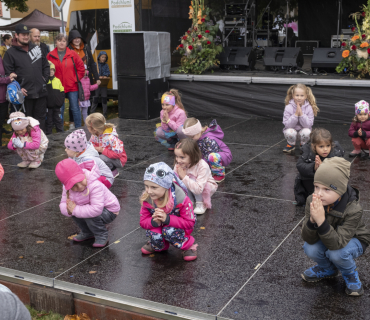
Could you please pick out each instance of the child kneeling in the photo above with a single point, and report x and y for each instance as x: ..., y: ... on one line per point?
x: 90, y: 204
x: 167, y: 212
x: 333, y: 230
x: 28, y: 140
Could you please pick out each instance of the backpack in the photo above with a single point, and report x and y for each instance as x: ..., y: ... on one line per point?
x: 14, y: 95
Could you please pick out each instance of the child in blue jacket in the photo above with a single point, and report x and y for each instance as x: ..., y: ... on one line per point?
x: 104, y: 72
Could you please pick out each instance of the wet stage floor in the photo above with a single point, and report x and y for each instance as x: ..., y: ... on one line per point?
x: 250, y: 254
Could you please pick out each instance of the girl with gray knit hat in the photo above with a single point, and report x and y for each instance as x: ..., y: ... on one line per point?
x: 333, y: 229
x: 167, y: 212
x: 28, y: 140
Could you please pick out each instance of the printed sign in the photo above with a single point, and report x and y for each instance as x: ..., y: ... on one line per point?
x: 59, y: 4
x: 121, y: 19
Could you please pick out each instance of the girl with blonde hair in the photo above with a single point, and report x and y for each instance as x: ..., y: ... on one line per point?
x: 300, y: 111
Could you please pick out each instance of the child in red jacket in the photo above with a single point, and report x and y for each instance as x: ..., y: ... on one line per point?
x: 105, y: 140
x: 28, y: 140
x: 359, y: 130
x: 84, y: 105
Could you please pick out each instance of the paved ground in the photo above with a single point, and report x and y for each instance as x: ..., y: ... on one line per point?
x: 250, y: 255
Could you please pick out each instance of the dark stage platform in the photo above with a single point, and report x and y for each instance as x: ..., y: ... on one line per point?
x: 250, y: 254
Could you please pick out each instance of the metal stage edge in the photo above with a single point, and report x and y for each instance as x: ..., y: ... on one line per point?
x: 271, y: 80
x: 115, y: 300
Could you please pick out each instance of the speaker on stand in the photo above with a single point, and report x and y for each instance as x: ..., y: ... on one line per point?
x: 326, y: 59
x: 280, y: 58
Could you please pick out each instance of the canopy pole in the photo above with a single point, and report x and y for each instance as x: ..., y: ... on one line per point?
x: 61, y: 12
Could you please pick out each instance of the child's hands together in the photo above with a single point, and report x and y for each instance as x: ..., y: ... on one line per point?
x: 71, y: 205
x: 317, y: 211
x: 181, y: 172
x: 99, y: 149
x: 18, y: 143
x: 159, y: 216
x: 165, y: 116
x: 298, y: 112
x: 317, y: 162
x: 359, y: 132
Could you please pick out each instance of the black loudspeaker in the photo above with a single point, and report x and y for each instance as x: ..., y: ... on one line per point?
x: 276, y: 57
x: 130, y: 54
x: 140, y: 99
x: 326, y: 59
x: 237, y: 57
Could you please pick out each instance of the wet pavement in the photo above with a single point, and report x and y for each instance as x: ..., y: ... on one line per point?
x: 249, y: 255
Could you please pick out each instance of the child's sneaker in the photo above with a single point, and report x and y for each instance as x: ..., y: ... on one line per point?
x: 191, y: 254
x: 355, y: 153
x: 317, y: 273
x: 34, y: 164
x: 353, y: 284
x: 219, y: 179
x: 288, y: 149
x: 147, y: 248
x: 24, y: 164
x: 82, y: 237
x: 100, y: 243
x: 115, y: 173
x: 199, y: 208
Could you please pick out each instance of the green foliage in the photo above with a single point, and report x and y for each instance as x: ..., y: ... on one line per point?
x: 199, y: 46
x: 19, y: 5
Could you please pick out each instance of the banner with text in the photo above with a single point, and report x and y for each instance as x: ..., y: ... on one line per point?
x: 121, y: 19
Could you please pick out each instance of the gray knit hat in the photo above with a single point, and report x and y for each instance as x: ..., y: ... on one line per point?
x: 334, y: 174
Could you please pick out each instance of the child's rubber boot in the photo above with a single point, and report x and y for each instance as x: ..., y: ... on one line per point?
x: 289, y: 149
x: 191, y: 254
x: 34, y: 164
x: 100, y: 243
x: 199, y: 208
x: 148, y: 249
x: 83, y: 236
x: 219, y: 179
x: 317, y: 273
x: 353, y: 284
x: 355, y: 153
x: 24, y: 164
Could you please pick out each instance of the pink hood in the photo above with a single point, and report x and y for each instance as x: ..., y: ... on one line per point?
x: 90, y: 202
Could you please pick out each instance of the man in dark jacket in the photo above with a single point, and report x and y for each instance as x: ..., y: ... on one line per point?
x: 32, y: 69
x: 35, y: 36
x: 333, y: 229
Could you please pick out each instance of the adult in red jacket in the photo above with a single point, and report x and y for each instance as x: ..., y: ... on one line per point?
x: 63, y: 58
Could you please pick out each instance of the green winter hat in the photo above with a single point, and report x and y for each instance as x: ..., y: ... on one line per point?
x: 334, y: 174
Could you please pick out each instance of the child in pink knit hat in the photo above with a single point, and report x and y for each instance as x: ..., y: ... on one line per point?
x: 28, y: 140
x: 90, y: 204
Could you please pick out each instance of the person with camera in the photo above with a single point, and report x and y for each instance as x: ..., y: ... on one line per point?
x: 32, y: 69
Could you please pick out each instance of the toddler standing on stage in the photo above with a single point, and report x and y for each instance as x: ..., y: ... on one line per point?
x: 359, y: 130
x: 167, y: 212
x: 214, y: 151
x: 173, y: 116
x: 195, y: 173
x: 105, y: 140
x: 299, y: 113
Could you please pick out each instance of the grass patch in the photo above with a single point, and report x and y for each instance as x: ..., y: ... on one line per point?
x: 44, y: 315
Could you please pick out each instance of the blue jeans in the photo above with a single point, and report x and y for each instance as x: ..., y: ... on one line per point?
x: 75, y: 108
x: 342, y: 259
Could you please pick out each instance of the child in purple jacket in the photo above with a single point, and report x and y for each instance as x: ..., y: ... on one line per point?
x: 299, y: 113
x: 214, y: 151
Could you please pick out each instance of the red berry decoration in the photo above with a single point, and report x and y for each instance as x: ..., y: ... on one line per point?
x: 188, y: 32
x: 207, y: 31
x: 199, y: 36
x: 184, y: 37
x: 190, y: 47
x: 368, y: 50
x: 343, y: 44
x: 203, y: 20
x: 353, y: 28
x: 181, y: 45
x: 209, y: 42
x: 363, y: 36
x: 363, y: 14
x: 353, y: 47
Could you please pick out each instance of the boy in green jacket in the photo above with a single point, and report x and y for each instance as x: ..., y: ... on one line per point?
x: 333, y: 230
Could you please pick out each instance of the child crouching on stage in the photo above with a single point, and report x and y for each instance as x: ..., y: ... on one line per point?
x: 173, y: 116
x: 90, y: 204
x: 320, y: 147
x: 333, y: 229
x: 299, y: 113
x: 167, y: 212
x: 28, y: 140
x: 359, y: 130
x: 214, y: 151
x: 195, y: 173
x: 80, y: 150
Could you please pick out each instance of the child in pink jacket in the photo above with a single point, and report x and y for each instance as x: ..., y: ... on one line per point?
x: 195, y: 173
x: 90, y: 204
x: 300, y: 111
x: 1, y: 172
x: 167, y: 212
x: 173, y: 116
x: 28, y: 140
x: 84, y: 105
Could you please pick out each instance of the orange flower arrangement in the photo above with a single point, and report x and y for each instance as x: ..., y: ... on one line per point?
x: 354, y: 38
x: 364, y: 45
x: 345, y: 53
